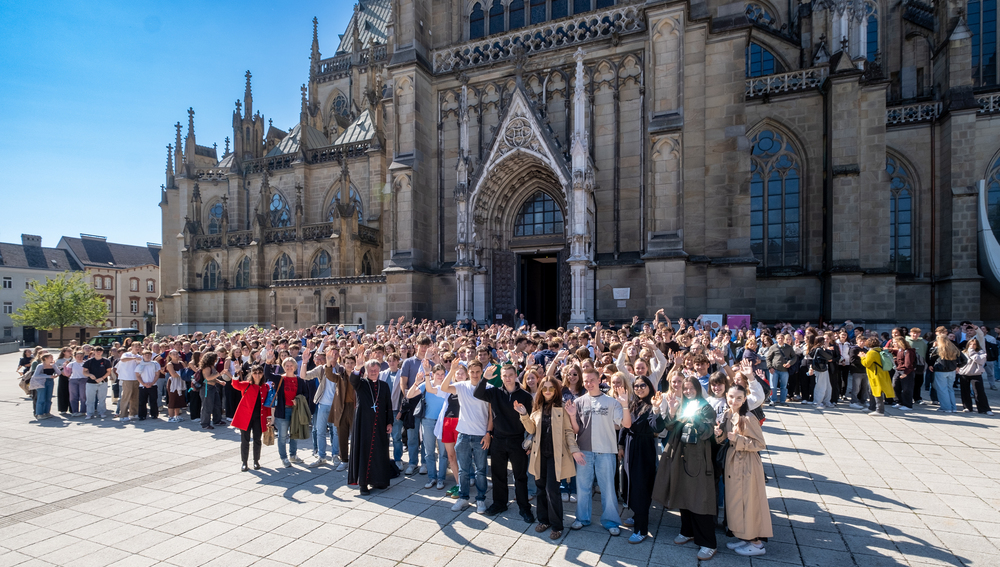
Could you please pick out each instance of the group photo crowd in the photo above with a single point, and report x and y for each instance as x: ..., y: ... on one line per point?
x: 628, y: 414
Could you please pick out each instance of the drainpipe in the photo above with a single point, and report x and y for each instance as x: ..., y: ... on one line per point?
x: 934, y: 210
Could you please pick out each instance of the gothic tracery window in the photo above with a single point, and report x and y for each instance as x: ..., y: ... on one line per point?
x: 496, y: 17
x: 284, y: 269
x: 210, y: 276
x: 367, y: 266
x: 215, y: 219
x: 477, y: 22
x: 340, y: 106
x: 539, y: 216
x: 993, y: 197
x: 760, y: 61
x: 280, y: 215
x: 900, y: 216
x: 983, y: 24
x: 320, y: 265
x: 775, y: 174
x: 243, y: 273
x: 355, y: 199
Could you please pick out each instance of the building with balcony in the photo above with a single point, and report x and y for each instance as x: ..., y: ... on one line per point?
x: 596, y: 159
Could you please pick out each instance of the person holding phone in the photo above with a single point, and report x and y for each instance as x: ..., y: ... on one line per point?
x: 252, y: 414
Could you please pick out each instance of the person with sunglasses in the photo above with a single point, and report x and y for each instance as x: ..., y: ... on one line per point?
x: 637, y: 450
x: 252, y: 414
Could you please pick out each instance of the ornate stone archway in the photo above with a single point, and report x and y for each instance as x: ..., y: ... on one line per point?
x: 521, y: 157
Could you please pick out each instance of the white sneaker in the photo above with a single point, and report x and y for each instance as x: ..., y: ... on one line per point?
x: 875, y: 413
x: 410, y: 470
x: 856, y: 406
x: 565, y: 496
x: 342, y: 467
x: 440, y: 485
x: 750, y: 549
x: 706, y: 553
x: 735, y: 544
x: 682, y: 539
x: 480, y: 506
x: 989, y: 413
x: 296, y: 459
x: 90, y: 417
x: 423, y: 470
x: 430, y: 484
x: 399, y: 465
x: 903, y: 408
x: 459, y: 505
x: 286, y: 462
x: 316, y: 463
x: 572, y: 497
x: 895, y: 406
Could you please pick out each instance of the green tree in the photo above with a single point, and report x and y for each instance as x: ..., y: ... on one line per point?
x: 63, y: 301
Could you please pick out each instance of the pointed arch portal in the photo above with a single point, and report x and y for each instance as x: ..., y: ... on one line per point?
x: 524, y: 227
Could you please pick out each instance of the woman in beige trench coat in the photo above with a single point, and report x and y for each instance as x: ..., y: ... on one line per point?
x: 747, y: 512
x: 554, y: 452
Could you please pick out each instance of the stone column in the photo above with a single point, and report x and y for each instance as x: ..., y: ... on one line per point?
x: 581, y: 188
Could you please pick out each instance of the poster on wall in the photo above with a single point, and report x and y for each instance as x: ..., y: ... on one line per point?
x: 711, y: 322
x: 737, y: 322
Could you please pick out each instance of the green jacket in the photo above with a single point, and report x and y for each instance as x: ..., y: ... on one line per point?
x: 300, y: 426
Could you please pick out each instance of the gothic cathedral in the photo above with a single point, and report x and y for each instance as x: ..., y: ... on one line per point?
x: 584, y: 160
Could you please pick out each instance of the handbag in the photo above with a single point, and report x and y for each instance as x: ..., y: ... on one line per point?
x: 689, y: 434
x: 23, y: 383
x: 271, y: 400
x: 526, y: 444
x: 267, y: 437
x: 720, y: 455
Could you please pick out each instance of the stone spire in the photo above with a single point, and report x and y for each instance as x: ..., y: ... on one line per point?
x: 170, y: 166
x: 227, y: 147
x: 581, y: 144
x: 178, y: 160
x: 303, y: 116
x: 356, y: 29
x: 190, y: 133
x: 189, y: 140
x: 248, y: 97
x: 314, y: 55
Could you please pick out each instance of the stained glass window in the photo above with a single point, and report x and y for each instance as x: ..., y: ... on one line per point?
x: 760, y: 61
x: 539, y: 216
x: 210, y: 277
x: 215, y: 219
x: 280, y: 216
x: 320, y: 265
x: 283, y: 269
x: 243, y: 273
x: 775, y: 175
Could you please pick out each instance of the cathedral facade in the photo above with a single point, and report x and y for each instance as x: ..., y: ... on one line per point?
x: 583, y: 160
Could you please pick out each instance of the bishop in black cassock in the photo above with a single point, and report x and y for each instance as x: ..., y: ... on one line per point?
x: 369, y: 464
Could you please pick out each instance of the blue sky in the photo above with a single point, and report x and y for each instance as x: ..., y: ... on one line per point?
x: 89, y: 93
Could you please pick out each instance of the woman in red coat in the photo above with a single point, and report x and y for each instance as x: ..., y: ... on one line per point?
x: 252, y: 415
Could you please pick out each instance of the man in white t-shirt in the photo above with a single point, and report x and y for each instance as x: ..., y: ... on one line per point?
x: 148, y: 372
x: 128, y: 405
x: 473, y: 437
x: 599, y: 415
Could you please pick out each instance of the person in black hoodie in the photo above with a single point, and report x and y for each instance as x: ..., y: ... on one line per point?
x: 507, y: 437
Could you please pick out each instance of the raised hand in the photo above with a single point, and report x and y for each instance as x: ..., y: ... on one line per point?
x: 657, y: 399
x: 519, y: 408
x: 570, y: 409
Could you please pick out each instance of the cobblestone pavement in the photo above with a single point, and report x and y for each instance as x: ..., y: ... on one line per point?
x: 845, y: 489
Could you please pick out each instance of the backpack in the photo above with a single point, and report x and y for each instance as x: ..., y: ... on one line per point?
x: 818, y: 362
x: 888, y: 364
x: 992, y: 351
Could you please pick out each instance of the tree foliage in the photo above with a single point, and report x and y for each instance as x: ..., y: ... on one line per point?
x: 65, y: 300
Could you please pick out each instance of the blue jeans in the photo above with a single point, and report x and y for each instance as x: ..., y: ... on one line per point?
x: 601, y: 466
x: 471, y: 458
x: 43, y: 398
x: 568, y: 486
x: 435, y: 456
x: 413, y: 442
x: 321, y: 427
x: 779, y: 385
x: 945, y: 392
x: 281, y: 428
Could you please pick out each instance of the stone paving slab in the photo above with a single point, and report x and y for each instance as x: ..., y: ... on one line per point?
x: 845, y: 489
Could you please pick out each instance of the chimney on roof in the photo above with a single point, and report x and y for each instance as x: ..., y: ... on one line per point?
x: 31, y: 240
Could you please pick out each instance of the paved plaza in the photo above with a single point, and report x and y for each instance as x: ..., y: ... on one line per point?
x: 845, y: 489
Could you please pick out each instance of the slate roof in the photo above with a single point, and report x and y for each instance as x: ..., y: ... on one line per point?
x: 360, y: 130
x: 372, y: 16
x: 36, y: 257
x: 291, y: 143
x: 96, y: 252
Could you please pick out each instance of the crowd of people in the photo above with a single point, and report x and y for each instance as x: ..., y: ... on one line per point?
x: 639, y: 412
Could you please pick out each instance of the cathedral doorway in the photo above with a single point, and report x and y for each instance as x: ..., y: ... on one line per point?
x: 538, y: 289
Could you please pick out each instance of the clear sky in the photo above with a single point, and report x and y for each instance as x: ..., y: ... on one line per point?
x: 89, y: 93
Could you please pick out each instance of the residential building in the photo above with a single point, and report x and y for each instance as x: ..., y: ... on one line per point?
x: 21, y: 265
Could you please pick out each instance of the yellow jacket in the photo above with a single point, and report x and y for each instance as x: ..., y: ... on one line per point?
x: 878, y: 379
